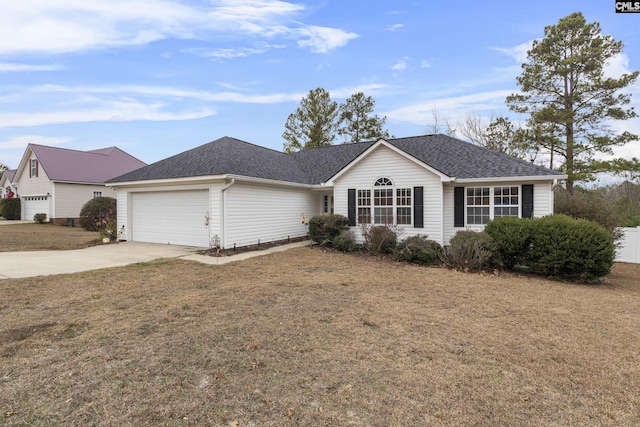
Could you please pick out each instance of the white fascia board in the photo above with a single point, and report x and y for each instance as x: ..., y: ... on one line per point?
x: 510, y: 178
x: 382, y: 142
x: 265, y: 181
x: 166, y: 181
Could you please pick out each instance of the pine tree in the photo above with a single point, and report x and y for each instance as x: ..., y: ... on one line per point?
x: 569, y: 98
x: 313, y: 124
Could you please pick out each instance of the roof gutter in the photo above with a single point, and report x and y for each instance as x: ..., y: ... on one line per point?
x: 511, y: 178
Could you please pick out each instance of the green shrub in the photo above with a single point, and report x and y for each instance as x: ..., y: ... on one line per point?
x: 379, y: 239
x: 345, y: 242
x: 324, y: 228
x: 571, y: 248
x: 40, y: 218
x: 419, y: 250
x: 11, y: 208
x: 468, y: 250
x: 98, y: 213
x: 511, y: 240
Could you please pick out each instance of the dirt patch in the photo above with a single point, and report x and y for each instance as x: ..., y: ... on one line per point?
x: 44, y: 237
x: 218, y: 252
x: 312, y: 337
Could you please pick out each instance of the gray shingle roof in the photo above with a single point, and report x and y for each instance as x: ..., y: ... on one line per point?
x: 450, y: 156
x: 98, y: 166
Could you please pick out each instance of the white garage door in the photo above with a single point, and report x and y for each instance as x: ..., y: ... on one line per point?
x: 173, y: 217
x: 33, y: 205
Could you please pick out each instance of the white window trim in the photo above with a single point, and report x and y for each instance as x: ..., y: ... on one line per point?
x: 491, y: 205
x: 394, y: 206
x: 33, y: 164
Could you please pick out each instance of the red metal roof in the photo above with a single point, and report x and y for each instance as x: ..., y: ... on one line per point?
x: 10, y: 174
x: 97, y: 166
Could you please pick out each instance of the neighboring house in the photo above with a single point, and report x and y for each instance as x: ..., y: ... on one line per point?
x: 7, y: 187
x: 235, y: 193
x: 59, y: 181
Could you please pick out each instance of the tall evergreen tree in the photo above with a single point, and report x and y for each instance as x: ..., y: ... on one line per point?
x: 3, y: 167
x: 569, y: 98
x: 357, y: 121
x: 313, y: 124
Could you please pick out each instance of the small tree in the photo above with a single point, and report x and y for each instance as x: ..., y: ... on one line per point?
x: 357, y: 121
x: 313, y: 124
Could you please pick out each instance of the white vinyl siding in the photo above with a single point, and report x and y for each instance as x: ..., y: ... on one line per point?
x: 266, y: 213
x: 384, y: 162
x: 542, y: 203
x: 32, y: 186
x: 123, y: 198
x: 171, y: 217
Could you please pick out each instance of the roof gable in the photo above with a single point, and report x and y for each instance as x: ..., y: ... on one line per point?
x: 7, y: 177
x: 447, y: 157
x: 66, y: 165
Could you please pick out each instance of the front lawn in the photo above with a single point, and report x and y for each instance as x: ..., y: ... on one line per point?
x: 306, y: 337
x: 43, y: 237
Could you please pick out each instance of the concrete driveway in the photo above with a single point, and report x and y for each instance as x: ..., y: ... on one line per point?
x: 14, y: 265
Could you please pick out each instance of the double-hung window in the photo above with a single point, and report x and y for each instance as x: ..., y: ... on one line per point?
x: 97, y: 194
x: 384, y: 204
x: 486, y: 203
x: 34, y: 168
x: 505, y: 201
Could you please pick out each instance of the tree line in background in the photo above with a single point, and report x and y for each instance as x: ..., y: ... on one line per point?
x: 569, y: 100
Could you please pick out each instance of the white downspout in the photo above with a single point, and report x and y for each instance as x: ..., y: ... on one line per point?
x: 223, y: 212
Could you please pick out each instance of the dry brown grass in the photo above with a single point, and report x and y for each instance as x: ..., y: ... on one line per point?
x: 305, y: 337
x: 42, y: 237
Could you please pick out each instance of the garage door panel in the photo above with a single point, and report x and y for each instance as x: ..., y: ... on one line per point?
x: 34, y: 205
x: 176, y: 217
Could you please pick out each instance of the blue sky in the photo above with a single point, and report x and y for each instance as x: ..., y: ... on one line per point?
x: 157, y: 77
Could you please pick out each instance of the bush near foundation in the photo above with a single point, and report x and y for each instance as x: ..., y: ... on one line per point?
x: 419, y: 250
x: 345, y: 242
x: 10, y: 208
x: 511, y: 240
x: 98, y: 214
x: 468, y: 251
x: 325, y: 228
x: 570, y: 248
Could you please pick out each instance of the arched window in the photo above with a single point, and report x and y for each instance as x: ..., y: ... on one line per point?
x: 387, y: 204
x: 383, y: 201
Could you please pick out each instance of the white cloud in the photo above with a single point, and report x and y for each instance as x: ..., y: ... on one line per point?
x: 7, y: 67
x: 394, y: 27
x: 452, y: 108
x: 324, y: 39
x: 401, y: 65
x: 62, y: 26
x: 125, y: 110
x: 518, y: 53
x: 21, y: 141
x: 425, y: 64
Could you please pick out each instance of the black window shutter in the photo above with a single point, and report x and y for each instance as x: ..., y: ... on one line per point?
x: 458, y: 207
x: 351, y: 206
x: 418, y: 207
x: 527, y: 201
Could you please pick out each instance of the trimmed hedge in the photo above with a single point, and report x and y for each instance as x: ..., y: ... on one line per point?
x: 97, y: 213
x: 511, y: 240
x: 10, y: 208
x: 40, y: 218
x: 325, y: 228
x: 419, y: 250
x: 571, y: 248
